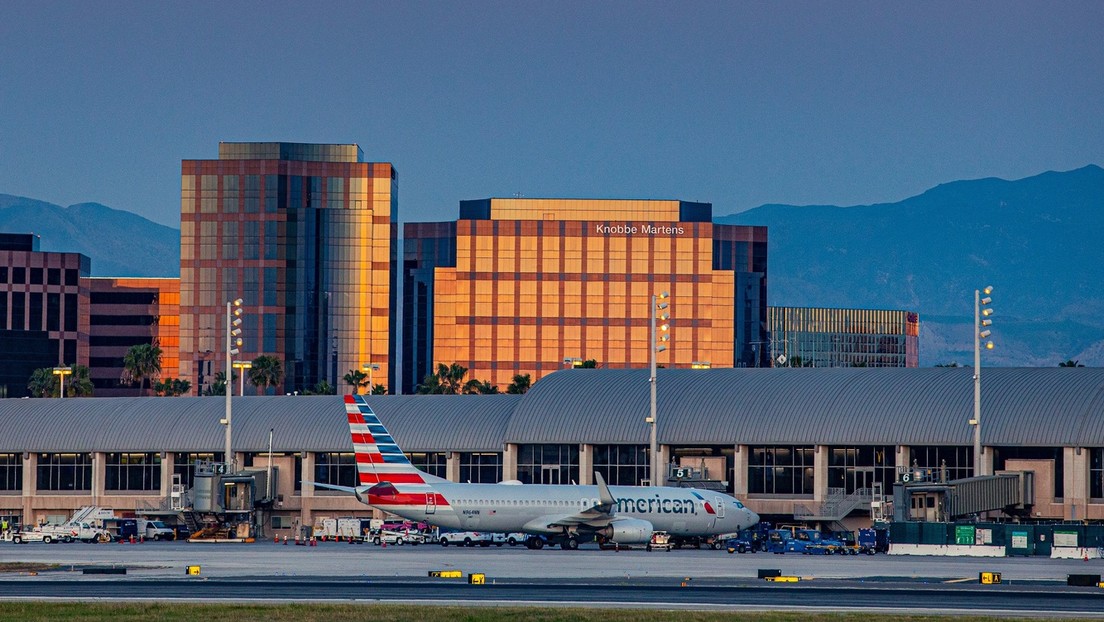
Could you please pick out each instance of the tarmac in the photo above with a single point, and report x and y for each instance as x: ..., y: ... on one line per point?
x: 342, y: 559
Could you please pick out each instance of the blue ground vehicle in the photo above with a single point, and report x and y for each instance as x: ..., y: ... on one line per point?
x: 804, y: 541
x: 873, y: 541
x: 749, y: 540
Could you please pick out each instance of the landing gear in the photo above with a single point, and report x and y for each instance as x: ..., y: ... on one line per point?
x: 535, y: 543
x: 570, y: 543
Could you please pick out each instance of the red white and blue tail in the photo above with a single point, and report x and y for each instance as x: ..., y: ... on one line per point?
x: 378, y: 458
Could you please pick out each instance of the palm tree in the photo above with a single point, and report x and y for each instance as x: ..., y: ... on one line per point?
x: 520, y: 385
x: 43, y: 383
x: 218, y: 385
x: 448, y: 380
x: 1071, y: 363
x: 379, y: 389
x: 479, y: 387
x: 266, y: 372
x: 589, y: 364
x: 322, y: 388
x: 173, y: 387
x: 141, y: 362
x: 356, y: 379
x: 453, y: 377
x: 80, y: 383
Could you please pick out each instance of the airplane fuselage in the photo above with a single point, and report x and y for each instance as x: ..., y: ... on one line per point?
x: 517, y: 507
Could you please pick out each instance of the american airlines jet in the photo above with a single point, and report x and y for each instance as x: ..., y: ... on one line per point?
x: 562, y: 514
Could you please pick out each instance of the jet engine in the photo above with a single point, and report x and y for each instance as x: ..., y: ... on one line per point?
x: 628, y: 531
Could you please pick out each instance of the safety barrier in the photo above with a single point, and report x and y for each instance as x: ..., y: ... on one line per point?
x: 446, y: 574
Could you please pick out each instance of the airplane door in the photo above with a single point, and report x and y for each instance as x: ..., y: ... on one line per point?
x: 431, y: 503
x: 720, y: 506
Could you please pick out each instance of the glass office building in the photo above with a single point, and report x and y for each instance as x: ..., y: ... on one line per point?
x: 303, y: 234
x: 519, y: 286
x: 125, y: 312
x: 819, y: 337
x: 43, y: 310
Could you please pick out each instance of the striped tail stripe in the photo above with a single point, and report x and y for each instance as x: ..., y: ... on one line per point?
x: 378, y: 457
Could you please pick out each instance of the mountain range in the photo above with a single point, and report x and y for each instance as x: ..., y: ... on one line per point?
x: 119, y: 243
x: 1035, y: 240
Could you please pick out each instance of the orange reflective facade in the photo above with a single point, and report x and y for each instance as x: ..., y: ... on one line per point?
x: 302, y: 233
x: 127, y: 312
x: 542, y: 283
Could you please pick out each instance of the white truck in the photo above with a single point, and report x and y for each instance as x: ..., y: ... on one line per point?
x: 23, y: 537
x: 472, y: 538
x: 85, y: 525
x: 155, y: 530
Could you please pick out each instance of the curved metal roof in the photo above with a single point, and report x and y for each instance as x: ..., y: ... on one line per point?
x: 1043, y: 407
x: 302, y: 423
x: 854, y: 406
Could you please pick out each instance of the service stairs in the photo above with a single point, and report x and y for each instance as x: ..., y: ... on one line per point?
x: 836, y: 506
x: 191, y: 519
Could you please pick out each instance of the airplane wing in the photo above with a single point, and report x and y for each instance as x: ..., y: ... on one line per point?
x: 593, y: 518
x: 348, y: 489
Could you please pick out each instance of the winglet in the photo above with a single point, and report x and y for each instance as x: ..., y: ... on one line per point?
x: 604, y: 494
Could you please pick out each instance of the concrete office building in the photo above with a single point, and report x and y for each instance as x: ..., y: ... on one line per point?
x: 43, y: 310
x: 782, y: 440
x: 303, y: 234
x: 519, y: 286
x: 821, y: 337
x: 125, y: 312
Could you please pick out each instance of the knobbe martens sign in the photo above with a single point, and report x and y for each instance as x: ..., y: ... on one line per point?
x: 645, y: 229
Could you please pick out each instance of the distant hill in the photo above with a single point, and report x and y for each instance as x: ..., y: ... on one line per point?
x: 1036, y: 240
x: 119, y: 243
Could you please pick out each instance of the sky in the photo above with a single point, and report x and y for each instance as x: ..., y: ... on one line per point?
x: 734, y: 103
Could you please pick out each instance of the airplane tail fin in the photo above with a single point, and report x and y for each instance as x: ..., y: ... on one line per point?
x: 378, y: 457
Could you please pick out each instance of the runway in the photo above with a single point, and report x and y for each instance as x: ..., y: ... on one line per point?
x: 692, y: 579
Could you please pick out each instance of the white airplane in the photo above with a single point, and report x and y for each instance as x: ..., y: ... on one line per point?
x: 562, y: 514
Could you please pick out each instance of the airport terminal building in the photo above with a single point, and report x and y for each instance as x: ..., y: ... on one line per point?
x: 783, y: 440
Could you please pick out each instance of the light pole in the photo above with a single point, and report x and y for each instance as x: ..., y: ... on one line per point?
x: 233, y: 342
x: 981, y: 331
x: 62, y: 372
x: 370, y: 367
x: 241, y: 366
x: 656, y: 308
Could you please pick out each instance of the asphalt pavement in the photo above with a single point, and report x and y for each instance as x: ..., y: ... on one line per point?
x: 693, y: 579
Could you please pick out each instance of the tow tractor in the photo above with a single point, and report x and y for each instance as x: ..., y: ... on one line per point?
x: 661, y: 541
x: 22, y: 537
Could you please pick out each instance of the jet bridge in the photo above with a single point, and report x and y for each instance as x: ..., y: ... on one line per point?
x: 1011, y: 492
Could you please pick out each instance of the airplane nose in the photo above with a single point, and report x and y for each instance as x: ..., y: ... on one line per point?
x: 751, y: 518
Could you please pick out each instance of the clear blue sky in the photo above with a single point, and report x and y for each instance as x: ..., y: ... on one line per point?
x: 735, y: 103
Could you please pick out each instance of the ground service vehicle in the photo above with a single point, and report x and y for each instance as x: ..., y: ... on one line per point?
x: 154, y: 530
x: 356, y: 529
x: 661, y: 541
x: 468, y: 538
x: 811, y: 542
x: 386, y: 536
x: 873, y: 541
x: 22, y: 537
x: 118, y: 529
x: 516, y: 538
